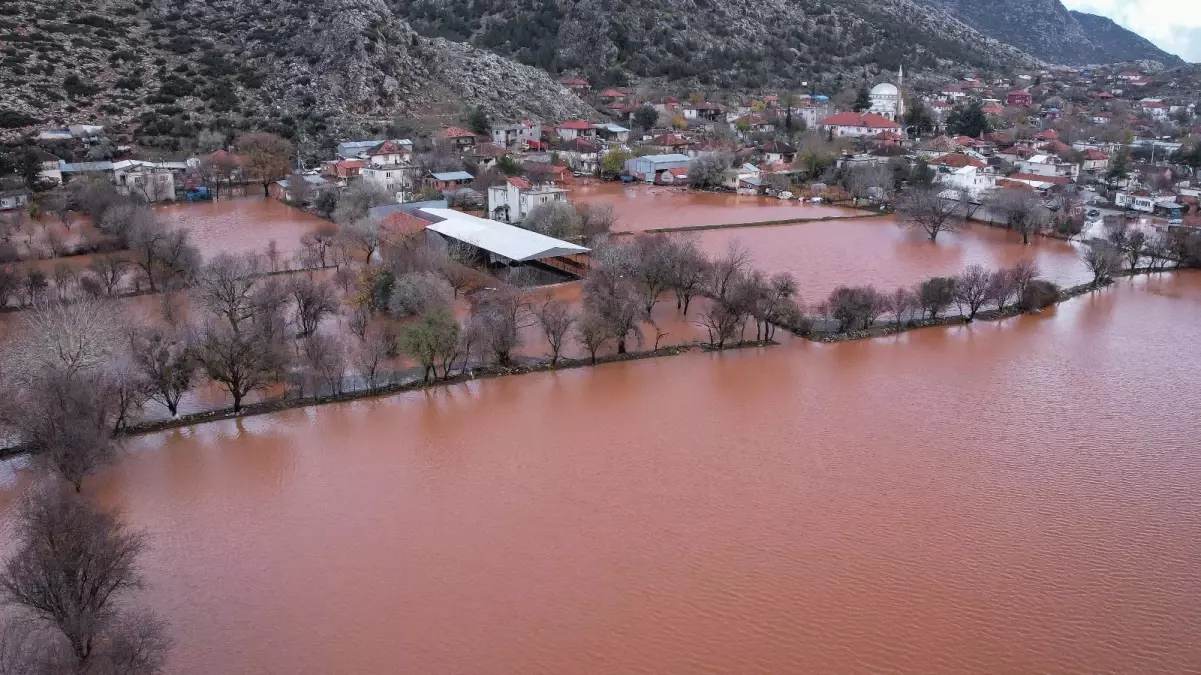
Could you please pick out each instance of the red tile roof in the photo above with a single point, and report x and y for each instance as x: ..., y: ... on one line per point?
x: 520, y: 183
x: 574, y: 82
x: 1095, y: 155
x: 957, y: 161
x: 578, y: 125
x: 457, y: 132
x: 612, y: 93
x: 387, y: 148
x: 401, y: 223
x: 854, y: 119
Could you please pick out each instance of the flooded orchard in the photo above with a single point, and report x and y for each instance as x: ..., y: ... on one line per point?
x: 1018, y: 496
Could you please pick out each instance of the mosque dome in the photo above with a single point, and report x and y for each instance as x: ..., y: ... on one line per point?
x: 885, y: 89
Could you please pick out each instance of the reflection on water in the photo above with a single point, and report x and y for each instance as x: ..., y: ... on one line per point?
x: 1013, y: 497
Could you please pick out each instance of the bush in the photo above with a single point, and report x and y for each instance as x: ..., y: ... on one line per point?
x: 1038, y: 294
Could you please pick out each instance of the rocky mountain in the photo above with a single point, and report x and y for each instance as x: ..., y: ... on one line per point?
x: 1049, y: 31
x: 721, y: 43
x: 308, y: 68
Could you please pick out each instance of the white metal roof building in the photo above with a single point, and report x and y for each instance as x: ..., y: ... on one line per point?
x: 504, y: 241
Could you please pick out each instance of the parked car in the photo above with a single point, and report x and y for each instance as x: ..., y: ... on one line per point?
x: 1092, y: 213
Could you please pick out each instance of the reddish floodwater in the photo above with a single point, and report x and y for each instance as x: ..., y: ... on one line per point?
x: 824, y: 255
x: 643, y: 207
x: 1014, y: 497
x: 240, y: 224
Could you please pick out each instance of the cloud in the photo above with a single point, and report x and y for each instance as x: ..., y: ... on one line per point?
x: 1165, y: 22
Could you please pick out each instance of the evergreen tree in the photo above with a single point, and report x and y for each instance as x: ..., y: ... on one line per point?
x: 863, y: 100
x: 969, y: 121
x: 918, y: 116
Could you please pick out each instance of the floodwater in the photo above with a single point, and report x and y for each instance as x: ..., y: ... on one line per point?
x: 241, y: 224
x: 824, y: 255
x: 644, y: 207
x: 1013, y: 497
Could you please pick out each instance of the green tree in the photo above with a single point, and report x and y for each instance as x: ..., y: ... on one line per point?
x: 614, y: 162
x: 431, y: 337
x: 922, y: 174
x: 969, y: 120
x: 508, y: 166
x: 1119, y: 164
x: 863, y: 100
x: 918, y: 116
x: 478, y: 121
x: 646, y: 117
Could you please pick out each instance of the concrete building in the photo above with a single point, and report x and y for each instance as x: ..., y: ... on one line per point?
x: 516, y: 137
x: 512, y: 201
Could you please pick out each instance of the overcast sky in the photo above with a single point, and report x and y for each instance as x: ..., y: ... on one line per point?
x: 1173, y: 25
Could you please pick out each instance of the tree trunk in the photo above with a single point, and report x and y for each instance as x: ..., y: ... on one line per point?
x: 621, y: 346
x: 266, y: 192
x: 237, y: 399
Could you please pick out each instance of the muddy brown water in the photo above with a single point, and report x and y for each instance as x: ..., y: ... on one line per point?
x: 643, y: 207
x: 823, y: 255
x: 240, y: 224
x: 1013, y: 497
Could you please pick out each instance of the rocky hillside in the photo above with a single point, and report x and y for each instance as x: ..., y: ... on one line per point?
x: 723, y: 43
x: 1051, y: 32
x: 308, y: 68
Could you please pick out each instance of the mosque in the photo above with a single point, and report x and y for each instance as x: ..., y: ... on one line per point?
x: 887, y: 100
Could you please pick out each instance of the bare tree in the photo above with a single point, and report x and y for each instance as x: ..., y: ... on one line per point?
x: 244, y: 360
x: 902, y: 302
x: 110, y: 271
x: 614, y: 298
x: 165, y: 256
x: 359, y: 198
x: 935, y: 295
x: 64, y: 279
x: 1136, y: 248
x: 314, y: 300
x: 67, y: 421
x: 267, y: 157
x: 72, y: 565
x: 593, y: 332
x: 1022, y: 209
x: 227, y: 286
x: 972, y: 288
x: 417, y: 293
x: 69, y: 337
x: 856, y: 308
x: 926, y: 208
x: 968, y: 203
x: 165, y: 361
x: 596, y: 219
x: 28, y: 649
x: 868, y: 180
x: 1023, y: 272
x: 689, y: 275
x: 497, y: 317
x: 726, y: 268
x: 556, y: 319
x: 1002, y: 287
x: 555, y: 219
x: 710, y: 170
x: 316, y: 244
x: 326, y: 356
x: 300, y: 190
x: 375, y: 347
x: 652, y: 261
x: 272, y: 255
x: 362, y: 236
x: 722, y: 322
x: 1101, y: 258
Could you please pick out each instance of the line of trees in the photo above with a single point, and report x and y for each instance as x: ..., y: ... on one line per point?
x: 973, y: 290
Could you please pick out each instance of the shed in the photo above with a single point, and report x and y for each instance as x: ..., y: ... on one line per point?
x: 504, y: 242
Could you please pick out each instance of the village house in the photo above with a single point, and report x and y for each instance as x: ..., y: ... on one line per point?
x: 613, y: 132
x: 777, y: 152
x: 1048, y: 165
x: 281, y: 189
x: 668, y: 144
x: 347, y: 169
x: 49, y: 167
x: 512, y: 201
x: 458, y: 138
x: 1019, y: 99
x: 444, y: 181
x: 1155, y: 107
x: 486, y: 155
x: 580, y: 154
x: 745, y: 179
x: 1095, y: 161
x: 16, y: 198
x: 976, y: 180
x: 858, y: 124
x: 574, y: 129
x: 704, y: 112
x: 390, y: 166
x: 815, y: 111
x: 515, y: 137
x: 1138, y: 200
x: 577, y: 84
x: 154, y: 182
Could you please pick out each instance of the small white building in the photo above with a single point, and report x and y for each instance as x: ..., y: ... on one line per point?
x: 516, y: 136
x: 148, y: 180
x: 1134, y: 202
x: 512, y: 201
x: 975, y: 180
x: 1048, y: 165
